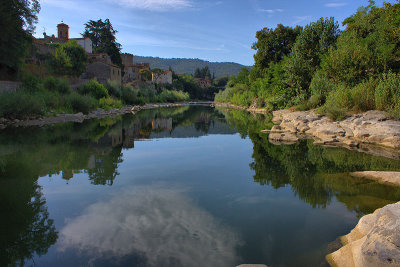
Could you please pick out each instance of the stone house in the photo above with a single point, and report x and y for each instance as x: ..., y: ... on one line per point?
x: 203, y: 82
x: 102, y: 72
x: 131, y: 70
x: 43, y: 44
x: 162, y: 78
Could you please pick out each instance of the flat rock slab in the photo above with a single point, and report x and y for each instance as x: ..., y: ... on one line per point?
x: 375, y: 241
x: 383, y: 177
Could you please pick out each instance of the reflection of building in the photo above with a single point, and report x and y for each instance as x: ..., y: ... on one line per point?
x: 162, y: 124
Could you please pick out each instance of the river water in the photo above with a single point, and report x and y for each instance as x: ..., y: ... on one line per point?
x: 187, y: 186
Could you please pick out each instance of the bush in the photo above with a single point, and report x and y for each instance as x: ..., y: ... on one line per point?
x: 172, y: 96
x: 338, y: 102
x: 109, y: 103
x: 20, y: 105
x: 147, y: 92
x: 54, y: 84
x: 94, y: 89
x: 80, y: 103
x: 31, y: 84
x: 129, y: 95
x: 387, y: 93
x: 321, y: 84
x: 114, y: 88
x: 363, y: 95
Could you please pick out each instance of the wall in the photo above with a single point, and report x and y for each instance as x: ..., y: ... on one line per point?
x: 6, y: 86
x: 86, y: 43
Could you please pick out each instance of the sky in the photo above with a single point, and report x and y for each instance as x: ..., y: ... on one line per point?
x: 217, y: 31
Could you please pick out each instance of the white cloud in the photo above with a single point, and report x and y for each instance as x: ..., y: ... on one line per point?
x: 155, y: 5
x: 162, y: 225
x: 270, y: 11
x: 299, y: 19
x: 336, y: 4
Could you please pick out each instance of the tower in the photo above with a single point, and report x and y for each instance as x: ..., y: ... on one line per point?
x: 63, y: 30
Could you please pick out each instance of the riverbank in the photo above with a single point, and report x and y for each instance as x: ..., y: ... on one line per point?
x: 372, y: 132
x: 97, y: 114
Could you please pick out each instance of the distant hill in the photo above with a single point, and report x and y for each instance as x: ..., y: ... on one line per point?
x: 188, y: 65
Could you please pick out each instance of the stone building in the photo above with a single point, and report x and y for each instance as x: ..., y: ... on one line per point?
x: 203, y: 82
x: 102, y: 72
x: 43, y: 45
x: 132, y: 71
x: 162, y: 78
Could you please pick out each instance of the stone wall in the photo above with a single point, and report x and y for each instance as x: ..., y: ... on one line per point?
x: 7, y: 86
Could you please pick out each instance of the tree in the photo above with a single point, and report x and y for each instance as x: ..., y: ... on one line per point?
x: 145, y: 74
x: 17, y: 23
x: 69, y: 59
x: 103, y: 37
x: 273, y: 44
x: 305, y: 57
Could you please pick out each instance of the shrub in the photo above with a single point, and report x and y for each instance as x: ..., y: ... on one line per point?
x: 54, y: 84
x: 147, y: 92
x: 321, y: 85
x: 129, y: 95
x: 20, y: 105
x: 338, y: 102
x: 31, y: 84
x: 172, y: 96
x: 94, y: 89
x: 387, y: 93
x: 80, y: 103
x: 109, y: 103
x: 114, y: 88
x: 363, y: 95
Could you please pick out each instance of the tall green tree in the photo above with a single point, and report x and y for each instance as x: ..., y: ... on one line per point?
x: 273, y: 44
x: 103, y: 37
x: 305, y: 57
x: 17, y: 23
x: 69, y: 59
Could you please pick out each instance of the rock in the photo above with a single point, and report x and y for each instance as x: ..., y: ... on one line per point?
x: 284, y: 138
x: 252, y: 265
x: 380, y: 176
x: 375, y: 241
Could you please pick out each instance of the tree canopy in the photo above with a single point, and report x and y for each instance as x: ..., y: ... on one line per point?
x: 17, y: 23
x: 69, y: 59
x: 103, y: 37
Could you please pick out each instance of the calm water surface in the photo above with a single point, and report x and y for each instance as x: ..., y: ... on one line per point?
x: 189, y: 186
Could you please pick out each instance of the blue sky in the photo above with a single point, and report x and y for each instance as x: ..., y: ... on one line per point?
x: 212, y: 30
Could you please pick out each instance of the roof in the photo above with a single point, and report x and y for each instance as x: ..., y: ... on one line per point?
x: 62, y: 24
x: 99, y: 62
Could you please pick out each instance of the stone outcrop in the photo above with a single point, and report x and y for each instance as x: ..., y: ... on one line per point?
x: 370, y: 128
x: 392, y: 178
x: 375, y: 241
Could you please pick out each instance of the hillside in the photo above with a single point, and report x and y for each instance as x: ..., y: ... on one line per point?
x: 188, y: 65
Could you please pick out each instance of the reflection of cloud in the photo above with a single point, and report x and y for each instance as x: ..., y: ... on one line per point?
x: 161, y: 224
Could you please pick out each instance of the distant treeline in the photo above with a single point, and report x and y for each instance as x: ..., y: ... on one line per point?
x: 321, y: 67
x: 188, y: 65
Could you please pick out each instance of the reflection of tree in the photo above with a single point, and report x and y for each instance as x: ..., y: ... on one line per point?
x: 105, y: 167
x: 25, y: 226
x: 317, y: 173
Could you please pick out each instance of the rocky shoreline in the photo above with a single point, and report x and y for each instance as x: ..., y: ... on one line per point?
x: 375, y: 241
x: 371, y: 132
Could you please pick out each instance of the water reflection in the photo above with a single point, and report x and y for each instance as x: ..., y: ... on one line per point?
x: 155, y: 226
x: 160, y: 226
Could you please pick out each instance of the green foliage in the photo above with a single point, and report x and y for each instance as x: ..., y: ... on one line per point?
x: 203, y: 73
x: 114, y: 88
x: 80, y: 103
x: 54, y: 84
x: 274, y: 44
x: 108, y: 103
x: 363, y: 95
x: 31, y: 84
x: 145, y: 74
x: 68, y: 59
x: 129, y: 95
x: 173, y: 96
x: 387, y: 93
x: 304, y: 59
x: 103, y: 38
x: 94, y: 89
x: 338, y: 103
x: 17, y: 20
x: 20, y: 105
